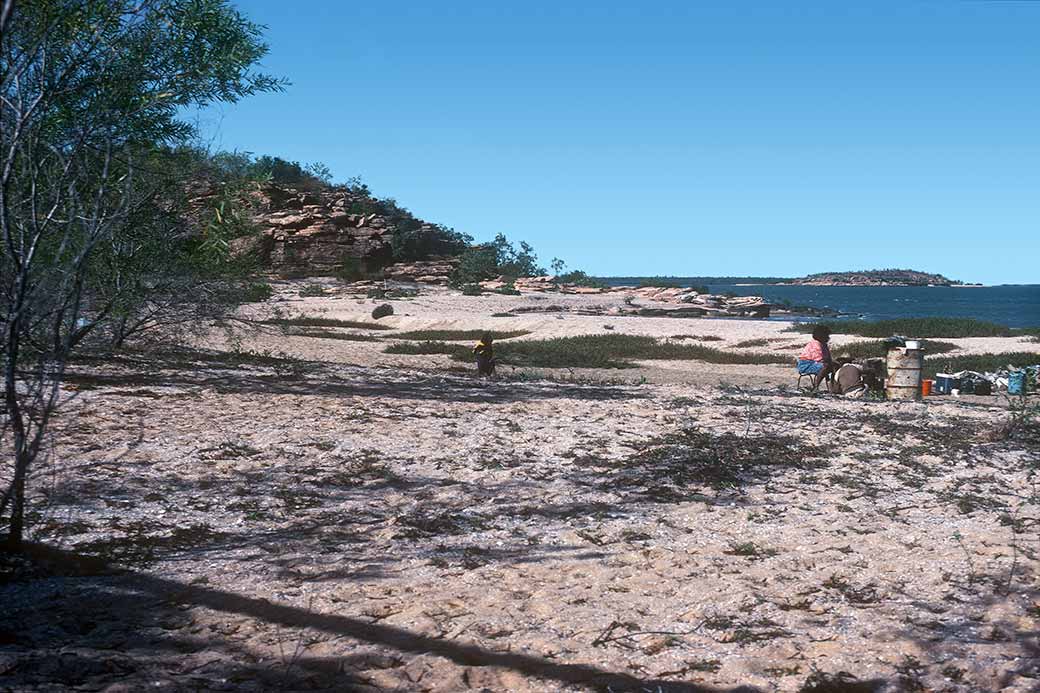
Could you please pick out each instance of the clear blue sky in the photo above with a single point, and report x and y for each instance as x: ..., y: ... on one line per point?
x: 687, y: 138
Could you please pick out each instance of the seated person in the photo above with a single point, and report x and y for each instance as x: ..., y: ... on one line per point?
x: 485, y: 353
x: 815, y: 359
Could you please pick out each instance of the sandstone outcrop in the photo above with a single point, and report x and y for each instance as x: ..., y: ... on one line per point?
x: 432, y: 271
x: 313, y: 233
x: 694, y: 303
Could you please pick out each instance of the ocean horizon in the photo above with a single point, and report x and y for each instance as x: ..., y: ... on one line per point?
x: 1014, y: 305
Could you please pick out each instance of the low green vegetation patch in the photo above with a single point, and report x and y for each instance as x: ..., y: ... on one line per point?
x: 749, y: 343
x: 876, y: 349
x: 980, y: 362
x: 912, y: 327
x: 590, y: 351
x: 698, y: 337
x: 330, y: 334
x: 458, y: 335
x: 423, y: 348
x: 306, y: 321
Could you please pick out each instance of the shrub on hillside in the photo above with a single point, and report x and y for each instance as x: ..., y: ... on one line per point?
x: 580, y: 278
x: 498, y: 258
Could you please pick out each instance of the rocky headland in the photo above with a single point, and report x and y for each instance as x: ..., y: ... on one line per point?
x: 345, y: 233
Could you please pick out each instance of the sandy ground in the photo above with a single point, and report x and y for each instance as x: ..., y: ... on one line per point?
x: 561, y: 315
x: 336, y: 524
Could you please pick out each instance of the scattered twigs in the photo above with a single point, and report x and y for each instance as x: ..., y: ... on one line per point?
x: 607, y: 635
x: 967, y: 555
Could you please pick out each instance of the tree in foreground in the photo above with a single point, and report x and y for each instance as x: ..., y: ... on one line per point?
x: 90, y: 94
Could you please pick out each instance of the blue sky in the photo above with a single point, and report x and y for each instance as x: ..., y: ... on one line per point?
x: 687, y: 138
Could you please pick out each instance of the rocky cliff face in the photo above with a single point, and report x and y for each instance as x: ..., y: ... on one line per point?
x: 313, y: 233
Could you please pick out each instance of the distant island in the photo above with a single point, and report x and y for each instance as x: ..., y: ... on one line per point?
x: 883, y: 277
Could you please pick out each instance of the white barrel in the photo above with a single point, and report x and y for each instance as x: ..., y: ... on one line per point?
x: 904, y: 373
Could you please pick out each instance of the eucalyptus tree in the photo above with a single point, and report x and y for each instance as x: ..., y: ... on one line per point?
x: 92, y: 94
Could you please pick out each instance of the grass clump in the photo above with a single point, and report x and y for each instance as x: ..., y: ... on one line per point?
x: 980, y: 362
x: 876, y: 349
x: 312, y: 290
x: 751, y: 551
x: 306, y: 321
x: 458, y: 351
x: 257, y: 292
x: 749, y: 343
x: 458, y: 335
x: 694, y: 463
x: 591, y: 351
x: 698, y: 337
x: 912, y: 327
x: 329, y: 334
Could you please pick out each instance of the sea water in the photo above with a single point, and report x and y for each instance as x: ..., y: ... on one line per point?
x: 1012, y: 305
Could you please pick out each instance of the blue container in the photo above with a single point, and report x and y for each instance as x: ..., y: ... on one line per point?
x: 944, y: 384
x: 1016, y: 382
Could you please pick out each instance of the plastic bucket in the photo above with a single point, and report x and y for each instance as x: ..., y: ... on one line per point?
x: 1016, y: 382
x: 926, y: 388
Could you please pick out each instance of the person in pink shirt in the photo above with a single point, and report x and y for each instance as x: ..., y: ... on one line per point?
x: 815, y: 359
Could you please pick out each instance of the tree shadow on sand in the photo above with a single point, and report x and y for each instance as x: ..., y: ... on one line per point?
x: 92, y: 631
x: 238, y: 374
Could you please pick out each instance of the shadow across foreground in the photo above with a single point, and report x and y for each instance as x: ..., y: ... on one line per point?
x: 127, y: 607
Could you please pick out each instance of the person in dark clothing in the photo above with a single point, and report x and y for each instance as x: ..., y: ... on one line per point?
x: 485, y: 353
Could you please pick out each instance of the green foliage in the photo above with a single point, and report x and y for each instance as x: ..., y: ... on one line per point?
x: 350, y: 270
x: 411, y: 240
x: 498, y: 258
x: 458, y: 335
x: 312, y: 290
x: 329, y: 334
x: 472, y: 290
x: 580, y: 278
x: 508, y: 290
x: 316, y: 176
x: 862, y: 350
x: 749, y: 343
x: 590, y: 351
x: 307, y: 321
x: 912, y: 327
x: 980, y: 362
x: 92, y: 110
x: 256, y: 292
x: 463, y: 353
x: 699, y: 337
